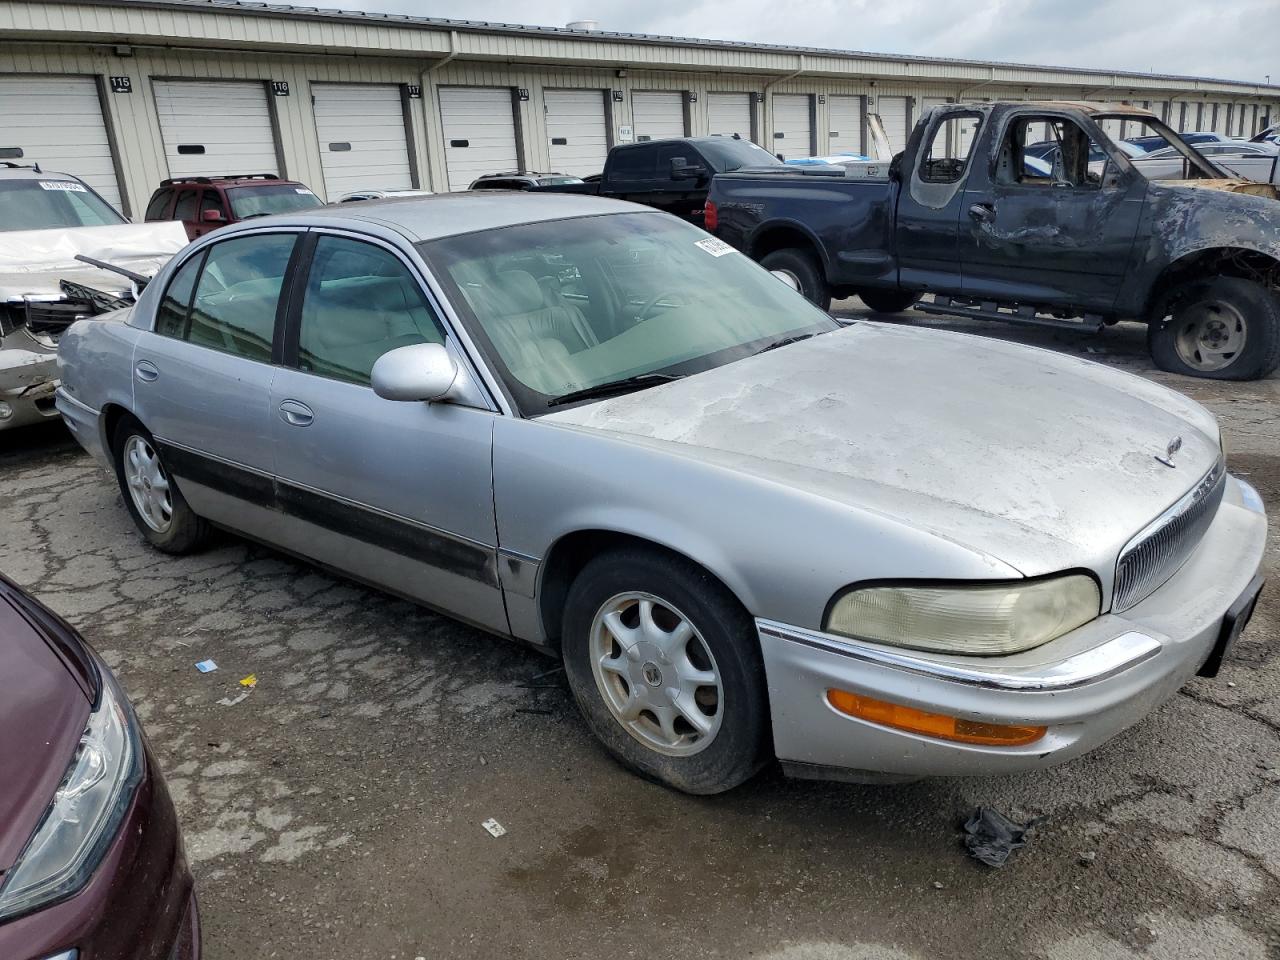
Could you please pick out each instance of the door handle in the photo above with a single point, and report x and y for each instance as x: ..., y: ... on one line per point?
x: 296, y: 414
x: 146, y: 370
x: 983, y: 212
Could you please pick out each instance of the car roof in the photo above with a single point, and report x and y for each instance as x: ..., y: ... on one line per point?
x: 243, y: 180
x: 26, y: 172
x: 451, y: 214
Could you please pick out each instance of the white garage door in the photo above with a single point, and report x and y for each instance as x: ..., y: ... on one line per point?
x: 479, y: 133
x: 657, y: 114
x: 362, y: 138
x: 729, y: 113
x: 893, y: 114
x: 845, y: 133
x: 792, y: 125
x: 215, y: 128
x: 576, y: 130
x: 57, y: 123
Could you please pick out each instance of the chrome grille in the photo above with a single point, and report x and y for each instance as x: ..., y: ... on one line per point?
x: 1164, y: 545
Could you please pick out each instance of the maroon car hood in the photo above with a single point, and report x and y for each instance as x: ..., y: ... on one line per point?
x: 44, y: 705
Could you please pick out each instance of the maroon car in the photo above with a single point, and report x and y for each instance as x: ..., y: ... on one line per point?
x: 204, y: 204
x: 91, y: 859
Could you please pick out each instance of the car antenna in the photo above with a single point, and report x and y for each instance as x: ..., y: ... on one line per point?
x: 36, y: 167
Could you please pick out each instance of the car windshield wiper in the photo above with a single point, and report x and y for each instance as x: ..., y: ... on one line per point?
x: 612, y: 387
x: 785, y: 341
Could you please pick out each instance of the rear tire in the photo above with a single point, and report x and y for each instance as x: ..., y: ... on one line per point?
x: 1220, y: 328
x: 888, y: 301
x: 151, y: 495
x: 807, y: 272
x: 689, y: 713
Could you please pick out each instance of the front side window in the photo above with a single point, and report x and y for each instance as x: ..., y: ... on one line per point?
x: 269, y: 198
x: 212, y: 200
x: 234, y: 308
x: 360, y: 302
x: 1049, y: 152
x: 47, y: 204
x: 185, y: 208
x: 949, y: 149
x: 567, y: 305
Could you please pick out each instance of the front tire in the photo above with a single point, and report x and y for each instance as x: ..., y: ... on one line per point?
x: 151, y: 496
x: 888, y: 301
x: 1222, y: 328
x: 806, y: 270
x: 665, y: 667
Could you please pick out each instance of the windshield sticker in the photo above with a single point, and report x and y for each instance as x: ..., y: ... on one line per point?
x: 717, y: 248
x: 62, y: 185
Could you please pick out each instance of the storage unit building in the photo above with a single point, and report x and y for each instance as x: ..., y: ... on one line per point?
x: 895, y: 114
x: 729, y: 114
x: 658, y: 114
x: 792, y: 125
x: 845, y: 129
x: 361, y: 131
x: 216, y: 127
x: 577, y: 130
x: 479, y: 133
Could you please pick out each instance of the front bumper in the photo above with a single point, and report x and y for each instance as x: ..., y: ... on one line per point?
x: 139, y: 903
x: 1086, y: 686
x: 28, y: 379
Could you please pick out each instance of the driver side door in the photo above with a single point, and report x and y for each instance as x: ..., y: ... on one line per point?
x: 1060, y: 239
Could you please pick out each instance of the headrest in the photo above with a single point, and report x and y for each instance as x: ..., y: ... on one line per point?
x: 520, y: 291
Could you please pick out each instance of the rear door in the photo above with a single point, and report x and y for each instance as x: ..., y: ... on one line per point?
x: 396, y: 493
x: 202, y: 377
x: 1062, y: 239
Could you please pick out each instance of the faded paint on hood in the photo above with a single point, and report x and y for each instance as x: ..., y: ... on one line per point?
x: 1249, y: 187
x: 33, y: 261
x: 1040, y: 460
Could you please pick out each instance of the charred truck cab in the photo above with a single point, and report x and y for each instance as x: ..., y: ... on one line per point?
x: 1032, y: 213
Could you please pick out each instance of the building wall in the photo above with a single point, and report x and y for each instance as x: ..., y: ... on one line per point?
x: 383, y: 57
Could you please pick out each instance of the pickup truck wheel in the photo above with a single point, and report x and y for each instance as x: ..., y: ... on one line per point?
x: 151, y: 496
x: 1223, y: 328
x: 665, y: 666
x: 807, y: 273
x: 888, y: 301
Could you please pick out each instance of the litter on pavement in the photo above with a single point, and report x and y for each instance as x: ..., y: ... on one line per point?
x: 206, y: 666
x: 991, y: 836
x: 494, y: 827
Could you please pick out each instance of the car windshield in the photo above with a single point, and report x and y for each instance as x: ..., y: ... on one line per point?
x: 726, y: 154
x: 48, y: 204
x: 566, y: 305
x: 269, y: 198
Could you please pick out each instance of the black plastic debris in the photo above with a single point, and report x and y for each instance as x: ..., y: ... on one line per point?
x: 991, y: 837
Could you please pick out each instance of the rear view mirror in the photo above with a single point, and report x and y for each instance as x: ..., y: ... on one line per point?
x: 213, y: 216
x: 422, y: 371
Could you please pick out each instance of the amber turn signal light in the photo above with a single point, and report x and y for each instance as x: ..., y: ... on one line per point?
x: 932, y: 724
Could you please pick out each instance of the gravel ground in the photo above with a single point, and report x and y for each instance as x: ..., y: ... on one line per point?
x: 335, y: 812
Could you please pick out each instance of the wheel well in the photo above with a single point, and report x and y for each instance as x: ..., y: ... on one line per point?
x: 783, y: 238
x: 574, y: 551
x: 1215, y: 262
x: 111, y: 415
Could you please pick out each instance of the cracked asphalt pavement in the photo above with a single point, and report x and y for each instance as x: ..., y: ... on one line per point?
x: 335, y: 811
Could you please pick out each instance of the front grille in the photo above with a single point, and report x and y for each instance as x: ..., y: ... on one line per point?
x: 1155, y: 554
x: 54, y: 316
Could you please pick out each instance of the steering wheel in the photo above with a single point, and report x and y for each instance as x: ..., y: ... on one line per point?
x: 645, y: 310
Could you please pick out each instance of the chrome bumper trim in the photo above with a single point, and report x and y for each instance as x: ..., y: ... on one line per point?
x: 1091, y: 666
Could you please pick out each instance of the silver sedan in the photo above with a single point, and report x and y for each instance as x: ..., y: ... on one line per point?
x: 748, y: 530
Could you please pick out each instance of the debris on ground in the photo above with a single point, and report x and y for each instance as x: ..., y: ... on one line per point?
x: 250, y: 681
x: 1087, y: 857
x: 206, y: 666
x: 494, y: 827
x: 991, y: 837
x: 231, y: 702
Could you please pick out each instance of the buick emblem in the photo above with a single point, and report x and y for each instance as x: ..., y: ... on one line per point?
x: 1174, y: 446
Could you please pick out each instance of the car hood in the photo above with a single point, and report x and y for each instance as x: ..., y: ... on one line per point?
x: 45, y: 700
x: 33, y: 261
x: 1039, y: 460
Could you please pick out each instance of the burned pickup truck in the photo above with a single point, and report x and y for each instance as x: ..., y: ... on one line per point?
x: 65, y: 254
x: 1073, y: 237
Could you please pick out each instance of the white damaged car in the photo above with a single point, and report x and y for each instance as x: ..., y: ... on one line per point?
x: 46, y: 221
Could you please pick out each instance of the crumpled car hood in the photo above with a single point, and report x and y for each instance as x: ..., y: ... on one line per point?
x: 33, y: 261
x: 1040, y: 460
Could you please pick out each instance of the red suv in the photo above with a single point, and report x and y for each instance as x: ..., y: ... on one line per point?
x: 207, y: 203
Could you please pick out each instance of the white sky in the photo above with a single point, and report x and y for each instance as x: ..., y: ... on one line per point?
x: 1232, y: 40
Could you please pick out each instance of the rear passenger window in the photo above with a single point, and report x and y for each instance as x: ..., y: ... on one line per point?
x: 949, y: 149
x: 633, y: 164
x: 159, y: 203
x: 360, y: 302
x: 175, y: 305
x: 186, y: 207
x: 234, y: 310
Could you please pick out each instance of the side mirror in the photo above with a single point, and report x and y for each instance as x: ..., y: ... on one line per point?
x: 213, y: 216
x: 787, y: 277
x: 421, y: 371
x: 687, y: 171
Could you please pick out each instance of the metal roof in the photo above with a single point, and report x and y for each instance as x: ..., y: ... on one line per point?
x: 247, y: 7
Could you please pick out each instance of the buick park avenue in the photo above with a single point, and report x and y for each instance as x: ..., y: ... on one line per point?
x: 749, y: 530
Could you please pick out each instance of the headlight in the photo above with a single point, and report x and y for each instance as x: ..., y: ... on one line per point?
x: 967, y: 618
x: 85, y: 813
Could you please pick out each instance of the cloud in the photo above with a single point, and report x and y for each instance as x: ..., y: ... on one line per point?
x: 1204, y: 40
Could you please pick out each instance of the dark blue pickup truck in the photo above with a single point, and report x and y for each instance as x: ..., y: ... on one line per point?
x: 966, y: 215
